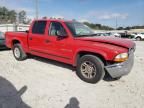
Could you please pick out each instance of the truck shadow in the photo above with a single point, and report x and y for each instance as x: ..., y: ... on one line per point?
x: 73, y: 103
x: 9, y: 96
x: 5, y: 49
x: 52, y: 62
x: 106, y: 78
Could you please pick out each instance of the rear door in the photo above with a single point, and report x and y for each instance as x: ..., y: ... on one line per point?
x: 36, y: 37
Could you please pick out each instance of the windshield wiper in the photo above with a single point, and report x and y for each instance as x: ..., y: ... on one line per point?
x: 88, y: 35
x: 82, y: 35
x: 93, y: 35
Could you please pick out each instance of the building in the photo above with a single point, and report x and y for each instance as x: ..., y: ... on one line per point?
x: 13, y: 27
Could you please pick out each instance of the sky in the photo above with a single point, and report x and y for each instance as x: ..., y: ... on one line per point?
x: 106, y: 12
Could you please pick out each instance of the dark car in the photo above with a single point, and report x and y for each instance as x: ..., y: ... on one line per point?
x: 2, y: 41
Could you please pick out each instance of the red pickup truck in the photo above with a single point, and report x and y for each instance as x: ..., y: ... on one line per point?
x: 74, y: 43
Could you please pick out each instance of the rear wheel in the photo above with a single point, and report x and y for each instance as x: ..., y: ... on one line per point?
x: 18, y: 52
x: 90, y: 69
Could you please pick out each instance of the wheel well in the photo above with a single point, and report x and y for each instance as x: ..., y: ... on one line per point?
x: 138, y: 37
x: 15, y: 42
x: 90, y: 53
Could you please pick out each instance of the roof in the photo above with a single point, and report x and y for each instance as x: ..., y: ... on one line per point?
x: 54, y: 19
x: 59, y: 20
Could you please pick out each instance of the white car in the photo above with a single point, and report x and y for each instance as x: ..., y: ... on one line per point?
x: 114, y: 34
x: 117, y: 35
x: 2, y: 41
x: 139, y: 36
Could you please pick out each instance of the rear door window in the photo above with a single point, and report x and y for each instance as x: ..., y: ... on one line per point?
x: 39, y: 27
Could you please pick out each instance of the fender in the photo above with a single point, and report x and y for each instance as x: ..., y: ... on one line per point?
x: 24, y: 46
x: 89, y: 50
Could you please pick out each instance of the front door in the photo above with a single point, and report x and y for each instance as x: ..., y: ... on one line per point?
x: 59, y: 46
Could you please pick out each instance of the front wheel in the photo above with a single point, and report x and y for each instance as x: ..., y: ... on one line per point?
x: 90, y: 69
x: 18, y: 52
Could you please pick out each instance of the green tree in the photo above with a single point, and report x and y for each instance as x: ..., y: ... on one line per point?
x: 11, y: 16
x: 120, y: 28
x: 98, y: 26
x: 22, y: 16
x: 7, y: 16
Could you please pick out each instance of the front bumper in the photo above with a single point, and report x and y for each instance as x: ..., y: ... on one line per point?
x: 121, y: 69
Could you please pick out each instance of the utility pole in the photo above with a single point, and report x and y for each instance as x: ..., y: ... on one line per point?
x: 36, y: 9
x: 116, y: 22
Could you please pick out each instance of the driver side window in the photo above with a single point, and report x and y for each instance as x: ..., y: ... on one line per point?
x: 56, y: 27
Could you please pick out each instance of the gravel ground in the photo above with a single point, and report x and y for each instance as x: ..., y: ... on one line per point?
x: 49, y: 84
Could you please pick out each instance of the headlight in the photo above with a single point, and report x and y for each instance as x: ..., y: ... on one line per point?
x: 121, y: 57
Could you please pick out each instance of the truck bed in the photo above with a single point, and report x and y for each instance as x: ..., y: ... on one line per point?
x: 21, y: 36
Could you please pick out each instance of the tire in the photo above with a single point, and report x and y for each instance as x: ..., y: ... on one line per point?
x: 95, y: 72
x: 18, y: 52
x: 138, y: 38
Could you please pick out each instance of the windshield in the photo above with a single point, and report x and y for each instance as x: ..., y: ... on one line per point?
x: 79, y: 29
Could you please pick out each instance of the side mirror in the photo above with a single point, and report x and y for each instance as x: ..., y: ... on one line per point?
x: 61, y: 34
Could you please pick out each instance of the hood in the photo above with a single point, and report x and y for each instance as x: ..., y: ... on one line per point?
x: 126, y: 43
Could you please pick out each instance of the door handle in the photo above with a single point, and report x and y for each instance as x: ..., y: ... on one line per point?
x: 47, y: 41
x: 30, y: 38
